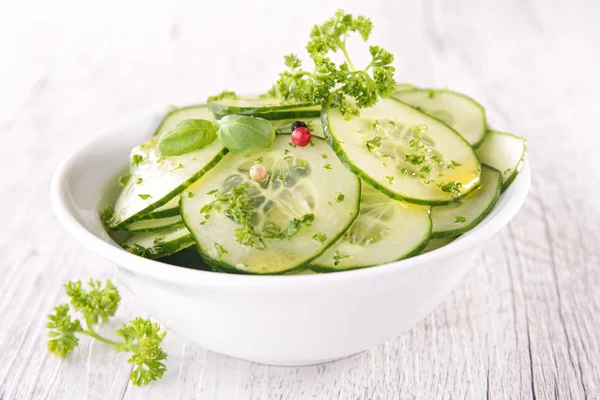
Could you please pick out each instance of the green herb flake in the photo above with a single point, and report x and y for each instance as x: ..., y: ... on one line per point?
x: 451, y: 187
x: 390, y: 179
x: 339, y: 197
x: 123, y: 179
x: 339, y: 257
x: 260, y: 159
x: 437, y: 159
x: 139, y: 180
x: 220, y: 250
x: 144, y: 196
x: 320, y: 237
x: 374, y: 143
x: 455, y: 163
x: 323, y: 155
x: 159, y: 240
x: 225, y: 94
x: 291, y: 144
x: 177, y: 167
x: 136, y: 159
x: 327, y: 166
x: 211, y: 192
x: 190, y: 195
x: 312, y: 144
x: 107, y: 215
x: 415, y: 159
x: 460, y: 218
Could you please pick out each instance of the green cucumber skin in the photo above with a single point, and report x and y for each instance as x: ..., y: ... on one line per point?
x: 174, y: 111
x: 169, y: 196
x: 362, y: 175
x: 225, y: 267
x: 166, y: 249
x: 464, y: 96
x: 476, y: 221
x: 416, y: 251
x: 278, y: 114
x: 171, y: 212
x: 519, y: 166
x: 153, y: 229
x: 221, y: 110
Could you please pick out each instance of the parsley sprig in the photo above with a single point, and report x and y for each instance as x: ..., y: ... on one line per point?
x: 141, y: 337
x: 345, y: 86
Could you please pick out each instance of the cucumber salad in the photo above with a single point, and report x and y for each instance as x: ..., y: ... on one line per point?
x: 334, y: 168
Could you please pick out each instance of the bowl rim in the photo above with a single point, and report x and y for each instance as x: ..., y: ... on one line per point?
x: 61, y: 204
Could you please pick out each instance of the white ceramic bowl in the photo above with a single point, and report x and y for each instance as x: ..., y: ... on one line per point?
x: 283, y: 320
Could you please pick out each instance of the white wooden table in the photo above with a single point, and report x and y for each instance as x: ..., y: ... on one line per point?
x: 524, y: 324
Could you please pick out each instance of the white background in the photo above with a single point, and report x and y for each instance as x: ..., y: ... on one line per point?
x: 524, y: 323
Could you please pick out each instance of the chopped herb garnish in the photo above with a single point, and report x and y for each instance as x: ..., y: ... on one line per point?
x: 374, y: 143
x: 211, y: 192
x: 320, y: 237
x: 144, y: 196
x: 178, y: 167
x: 312, y: 144
x: 220, y: 250
x: 507, y: 170
x: 376, y: 125
x: 330, y: 203
x: 415, y: 159
x: 108, y: 214
x: 286, y: 151
x: 339, y: 197
x: 437, y: 159
x: 139, y: 180
x: 291, y: 144
x: 327, y: 166
x: 159, y: 240
x: 225, y: 94
x: 136, y: 159
x: 460, y: 218
x: 455, y: 163
x: 323, y: 155
x: 123, y: 179
x: 338, y: 257
x: 190, y: 195
x: 303, y: 163
x: 260, y: 159
x: 451, y: 187
x: 390, y: 179
x: 404, y: 172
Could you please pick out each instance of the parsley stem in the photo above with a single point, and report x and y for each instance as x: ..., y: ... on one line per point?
x: 100, y: 338
x: 342, y: 46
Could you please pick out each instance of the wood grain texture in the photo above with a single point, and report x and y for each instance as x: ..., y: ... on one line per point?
x: 524, y: 324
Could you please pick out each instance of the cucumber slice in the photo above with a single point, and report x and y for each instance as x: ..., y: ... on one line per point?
x: 505, y: 152
x: 403, y: 86
x: 435, y: 244
x: 284, y: 126
x: 378, y: 146
x: 462, y: 216
x: 160, y: 180
x: 170, y: 209
x: 385, y: 231
x: 301, y: 181
x: 270, y: 108
x: 153, y: 225
x: 159, y: 244
x: 461, y: 112
x: 200, y: 111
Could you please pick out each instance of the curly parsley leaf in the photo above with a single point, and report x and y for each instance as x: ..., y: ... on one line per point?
x: 343, y: 86
x: 97, y: 304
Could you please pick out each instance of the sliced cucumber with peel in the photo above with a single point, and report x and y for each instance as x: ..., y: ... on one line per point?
x: 177, y: 115
x: 379, y: 145
x: 161, y: 243
x: 160, y: 179
x: 461, y: 112
x: 385, y: 231
x: 170, y: 209
x: 153, y: 224
x: 462, y: 216
x: 505, y: 152
x: 403, y: 86
x: 301, y: 181
x: 270, y: 108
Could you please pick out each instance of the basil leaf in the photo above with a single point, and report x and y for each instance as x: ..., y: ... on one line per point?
x: 187, y: 136
x: 243, y: 134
